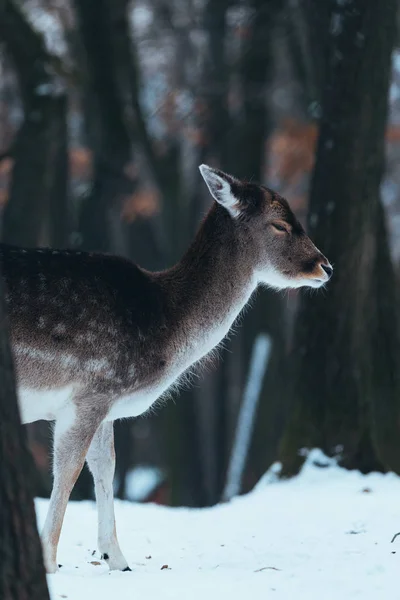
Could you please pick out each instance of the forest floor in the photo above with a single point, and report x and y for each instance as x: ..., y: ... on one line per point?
x: 323, y: 535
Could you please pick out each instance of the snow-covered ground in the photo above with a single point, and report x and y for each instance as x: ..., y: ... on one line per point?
x: 323, y: 535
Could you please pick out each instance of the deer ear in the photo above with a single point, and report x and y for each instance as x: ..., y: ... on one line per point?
x: 220, y: 185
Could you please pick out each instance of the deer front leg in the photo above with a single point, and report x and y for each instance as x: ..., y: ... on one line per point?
x: 72, y: 437
x: 101, y: 462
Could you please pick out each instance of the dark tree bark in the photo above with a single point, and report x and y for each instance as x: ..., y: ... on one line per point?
x: 345, y: 371
x: 123, y: 450
x: 267, y: 312
x: 308, y: 26
x: 36, y: 212
x: 247, y: 152
x: 22, y: 575
x: 211, y: 113
x: 192, y: 466
x: 101, y: 24
x: 204, y: 467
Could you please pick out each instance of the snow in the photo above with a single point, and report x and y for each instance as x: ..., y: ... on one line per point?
x: 324, y: 534
x: 141, y: 482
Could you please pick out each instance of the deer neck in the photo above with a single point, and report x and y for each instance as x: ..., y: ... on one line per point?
x: 210, y: 286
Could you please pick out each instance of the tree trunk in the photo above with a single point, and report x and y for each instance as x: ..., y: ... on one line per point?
x: 101, y: 23
x: 267, y: 313
x: 36, y: 212
x: 22, y: 575
x: 200, y: 485
x: 247, y: 147
x: 344, y: 372
x: 307, y: 28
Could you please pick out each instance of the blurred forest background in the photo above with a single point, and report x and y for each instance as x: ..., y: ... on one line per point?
x: 107, y: 107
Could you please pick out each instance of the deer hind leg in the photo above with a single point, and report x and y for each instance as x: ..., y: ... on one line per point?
x: 101, y: 462
x: 72, y: 437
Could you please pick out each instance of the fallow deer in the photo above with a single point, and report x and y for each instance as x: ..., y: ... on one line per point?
x: 96, y: 338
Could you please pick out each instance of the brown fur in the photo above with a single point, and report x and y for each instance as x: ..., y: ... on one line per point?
x: 118, y: 334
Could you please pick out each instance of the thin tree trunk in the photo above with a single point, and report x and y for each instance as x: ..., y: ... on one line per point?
x: 213, y: 123
x: 247, y: 148
x: 101, y: 22
x: 201, y: 466
x: 345, y: 372
x: 22, y: 575
x: 39, y: 181
x: 267, y: 313
x: 307, y: 26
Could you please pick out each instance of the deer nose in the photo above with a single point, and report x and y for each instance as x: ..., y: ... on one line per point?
x: 328, y: 270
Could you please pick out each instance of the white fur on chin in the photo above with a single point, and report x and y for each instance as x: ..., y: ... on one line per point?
x: 273, y: 279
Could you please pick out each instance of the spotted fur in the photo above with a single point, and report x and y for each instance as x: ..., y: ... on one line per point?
x: 96, y: 338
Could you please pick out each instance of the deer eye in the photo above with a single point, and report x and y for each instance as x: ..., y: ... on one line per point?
x: 279, y: 227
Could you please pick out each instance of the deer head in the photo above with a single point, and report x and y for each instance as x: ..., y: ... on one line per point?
x: 282, y: 254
